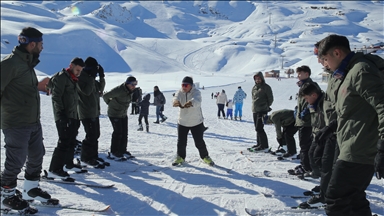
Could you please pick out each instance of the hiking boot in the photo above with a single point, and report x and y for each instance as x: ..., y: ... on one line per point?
x: 140, y: 127
x: 235, y: 118
x: 11, y: 200
x: 60, y: 173
x: 286, y: 155
x: 279, y: 152
x: 316, y: 189
x: 178, y: 161
x: 147, y: 128
x: 208, y: 161
x: 32, y: 191
x: 77, y: 168
x: 260, y: 149
x: 156, y: 122
x: 95, y: 163
x: 163, y: 119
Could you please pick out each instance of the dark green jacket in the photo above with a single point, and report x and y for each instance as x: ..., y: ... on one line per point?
x: 330, y: 99
x: 360, y: 111
x: 90, y: 91
x: 20, y: 98
x: 118, y: 100
x: 302, y: 106
x: 262, y: 96
x: 281, y: 118
x: 64, y: 96
x: 317, y: 114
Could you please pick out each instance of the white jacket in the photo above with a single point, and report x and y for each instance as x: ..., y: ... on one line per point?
x: 191, y: 116
x: 222, y: 98
x: 230, y: 104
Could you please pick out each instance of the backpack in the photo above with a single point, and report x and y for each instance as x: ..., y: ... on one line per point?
x: 376, y: 60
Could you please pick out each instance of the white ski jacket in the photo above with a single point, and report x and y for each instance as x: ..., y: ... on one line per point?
x: 191, y: 116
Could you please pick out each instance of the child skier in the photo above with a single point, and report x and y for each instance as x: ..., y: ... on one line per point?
x: 144, y: 111
x: 229, y: 108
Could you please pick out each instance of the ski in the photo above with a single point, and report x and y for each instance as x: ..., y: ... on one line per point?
x: 284, y: 211
x: 282, y: 195
x: 96, y: 185
x: 227, y: 170
x: 27, y: 211
x: 74, y: 207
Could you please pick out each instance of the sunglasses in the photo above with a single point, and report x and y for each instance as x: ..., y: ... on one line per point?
x: 184, y: 85
x: 132, y: 83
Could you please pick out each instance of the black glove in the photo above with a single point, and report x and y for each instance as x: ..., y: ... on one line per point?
x: 101, y: 71
x: 324, y: 133
x: 63, y: 120
x: 318, y: 154
x: 379, y: 160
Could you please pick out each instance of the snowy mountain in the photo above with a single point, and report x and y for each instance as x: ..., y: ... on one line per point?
x: 221, y: 44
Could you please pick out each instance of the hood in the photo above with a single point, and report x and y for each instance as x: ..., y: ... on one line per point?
x: 260, y: 74
x: 147, y: 97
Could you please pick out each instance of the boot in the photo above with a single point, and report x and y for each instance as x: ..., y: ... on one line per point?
x: 32, y: 192
x: 147, y: 128
x: 10, y: 200
x: 140, y: 127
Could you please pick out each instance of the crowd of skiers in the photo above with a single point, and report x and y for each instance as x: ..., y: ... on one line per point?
x: 341, y: 131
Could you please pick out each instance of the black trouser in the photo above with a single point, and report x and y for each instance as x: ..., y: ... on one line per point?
x: 346, y: 190
x: 145, y: 119
x: 261, y: 136
x: 305, y: 141
x: 288, y: 133
x: 89, y: 149
x: 135, y: 109
x: 330, y: 154
x: 119, y: 140
x: 220, y: 109
x: 314, y: 167
x: 197, y: 134
x: 64, y: 152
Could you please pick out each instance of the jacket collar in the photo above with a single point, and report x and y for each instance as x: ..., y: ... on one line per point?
x: 25, y: 56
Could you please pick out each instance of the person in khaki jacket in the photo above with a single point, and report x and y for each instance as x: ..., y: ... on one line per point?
x: 64, y: 102
x: 262, y: 99
x: 359, y: 127
x: 20, y: 123
x: 90, y: 90
x: 118, y: 100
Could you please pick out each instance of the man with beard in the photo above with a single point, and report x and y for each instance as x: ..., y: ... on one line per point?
x: 20, y: 122
x: 64, y: 102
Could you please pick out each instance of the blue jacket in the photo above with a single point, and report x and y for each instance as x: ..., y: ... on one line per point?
x: 239, y: 96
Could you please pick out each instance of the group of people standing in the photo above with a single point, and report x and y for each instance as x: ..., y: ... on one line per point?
x: 341, y: 131
x: 222, y: 101
x: 76, y: 93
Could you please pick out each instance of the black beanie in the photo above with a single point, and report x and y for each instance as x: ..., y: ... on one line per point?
x: 187, y: 80
x: 78, y: 61
x: 91, y: 62
x: 130, y: 79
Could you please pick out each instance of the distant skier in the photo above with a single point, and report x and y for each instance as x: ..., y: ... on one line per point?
x: 221, y: 101
x: 238, y: 99
x: 144, y: 111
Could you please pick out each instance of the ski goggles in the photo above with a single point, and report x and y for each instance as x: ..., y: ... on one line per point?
x: 134, y: 83
x: 185, y: 85
x: 26, y: 40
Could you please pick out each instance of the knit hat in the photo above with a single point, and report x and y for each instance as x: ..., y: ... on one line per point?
x: 239, y: 87
x: 78, y: 61
x: 130, y: 80
x: 187, y: 80
x: 91, y: 62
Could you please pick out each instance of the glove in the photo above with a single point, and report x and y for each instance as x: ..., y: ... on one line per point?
x: 304, y: 113
x: 63, y: 120
x: 188, y: 104
x: 280, y: 141
x: 295, y: 112
x: 101, y: 71
x: 176, y: 104
x: 318, y: 154
x: 324, y: 133
x: 379, y: 160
